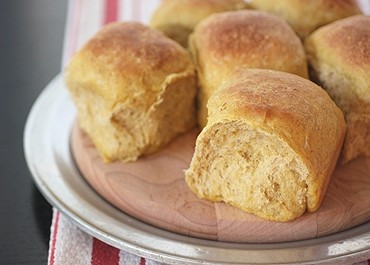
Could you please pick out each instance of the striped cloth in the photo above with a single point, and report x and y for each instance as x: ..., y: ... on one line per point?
x: 85, y: 18
x: 68, y: 244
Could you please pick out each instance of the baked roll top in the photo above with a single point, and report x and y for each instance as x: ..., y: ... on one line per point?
x: 177, y: 18
x: 339, y: 55
x: 134, y: 89
x: 227, y: 41
x: 306, y: 16
x: 270, y: 145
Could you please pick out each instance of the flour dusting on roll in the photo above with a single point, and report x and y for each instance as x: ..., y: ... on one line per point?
x: 227, y: 41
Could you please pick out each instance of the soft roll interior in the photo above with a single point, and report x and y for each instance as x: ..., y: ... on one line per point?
x: 250, y: 169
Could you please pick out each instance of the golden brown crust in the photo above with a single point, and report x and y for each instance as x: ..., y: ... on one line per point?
x: 286, y: 108
x: 295, y: 109
x: 126, y: 82
x: 177, y: 18
x: 226, y: 41
x: 339, y: 54
x: 306, y: 16
x: 349, y: 39
x: 344, y: 46
x: 143, y: 54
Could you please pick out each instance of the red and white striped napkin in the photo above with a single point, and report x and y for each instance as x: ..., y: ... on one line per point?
x: 68, y: 244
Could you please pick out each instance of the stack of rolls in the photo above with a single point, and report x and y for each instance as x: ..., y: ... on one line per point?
x: 270, y: 138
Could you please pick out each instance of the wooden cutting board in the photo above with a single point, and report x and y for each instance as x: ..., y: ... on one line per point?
x: 154, y: 191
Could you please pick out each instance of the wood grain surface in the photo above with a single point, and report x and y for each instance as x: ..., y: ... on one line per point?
x: 153, y: 190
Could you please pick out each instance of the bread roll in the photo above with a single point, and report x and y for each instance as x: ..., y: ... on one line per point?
x: 340, y: 57
x: 134, y: 89
x: 226, y: 41
x: 270, y: 146
x: 177, y: 18
x: 306, y: 16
